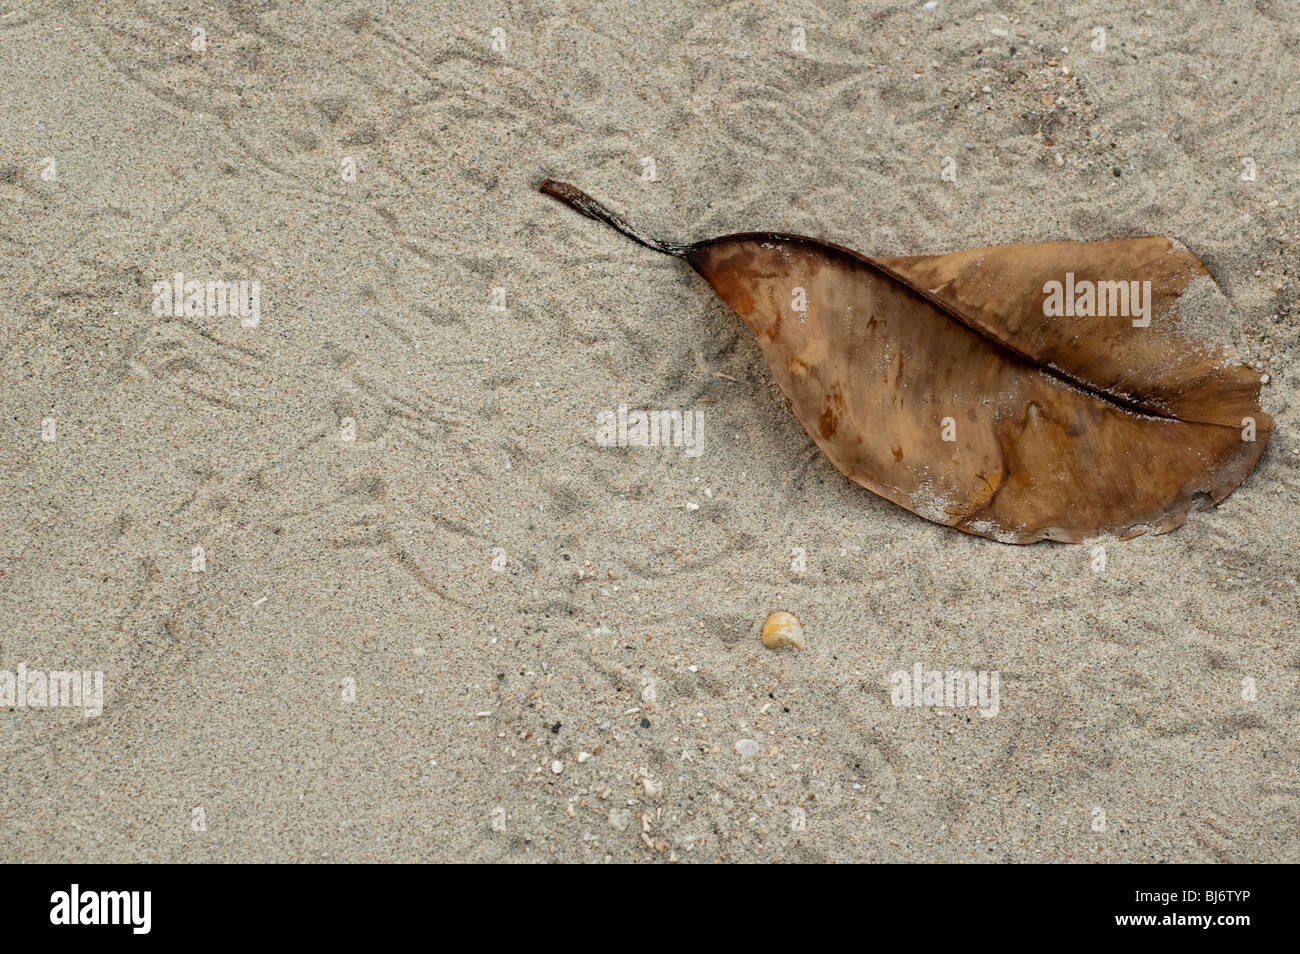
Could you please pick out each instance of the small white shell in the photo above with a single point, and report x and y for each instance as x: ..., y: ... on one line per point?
x: 746, y: 748
x: 783, y: 629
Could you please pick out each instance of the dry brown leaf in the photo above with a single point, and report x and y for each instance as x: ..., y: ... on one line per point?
x: 940, y: 383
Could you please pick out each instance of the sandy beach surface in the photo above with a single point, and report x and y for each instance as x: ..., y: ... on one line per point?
x: 361, y: 581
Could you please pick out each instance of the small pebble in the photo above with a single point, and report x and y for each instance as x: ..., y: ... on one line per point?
x: 557, y: 766
x: 783, y: 629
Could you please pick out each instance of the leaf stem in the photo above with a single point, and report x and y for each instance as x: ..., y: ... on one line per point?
x: 578, y: 200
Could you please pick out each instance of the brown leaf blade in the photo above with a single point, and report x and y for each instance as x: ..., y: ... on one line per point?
x: 1159, y: 366
x: 938, y: 382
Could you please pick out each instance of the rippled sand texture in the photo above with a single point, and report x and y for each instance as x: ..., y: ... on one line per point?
x: 226, y: 733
